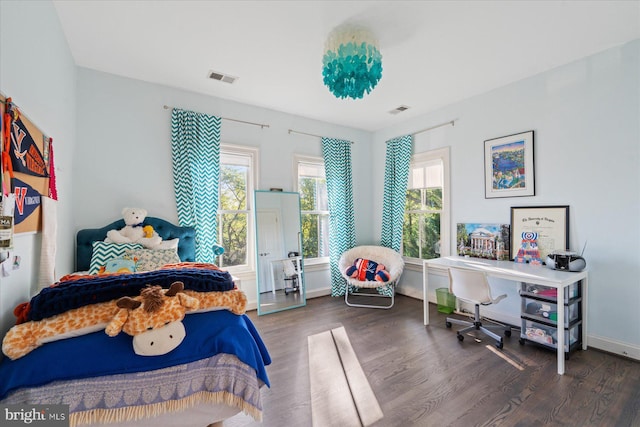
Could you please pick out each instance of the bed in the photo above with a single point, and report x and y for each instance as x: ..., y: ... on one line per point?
x: 215, y: 371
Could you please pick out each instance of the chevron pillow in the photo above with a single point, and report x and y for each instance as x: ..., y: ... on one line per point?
x: 103, y: 252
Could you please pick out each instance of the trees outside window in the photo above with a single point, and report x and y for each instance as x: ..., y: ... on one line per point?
x: 426, y: 217
x: 236, y: 185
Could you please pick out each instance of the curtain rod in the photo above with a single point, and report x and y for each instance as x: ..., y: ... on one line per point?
x: 262, y: 126
x: 311, y: 134
x: 450, y: 122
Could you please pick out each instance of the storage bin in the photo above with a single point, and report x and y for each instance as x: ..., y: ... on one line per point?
x: 571, y: 291
x: 547, y: 311
x: 446, y: 301
x: 546, y: 335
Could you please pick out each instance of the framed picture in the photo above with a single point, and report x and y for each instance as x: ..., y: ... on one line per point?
x: 537, y: 231
x: 508, y: 166
x: 489, y: 241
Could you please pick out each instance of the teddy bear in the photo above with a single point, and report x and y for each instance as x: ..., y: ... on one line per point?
x: 367, y: 270
x: 134, y: 231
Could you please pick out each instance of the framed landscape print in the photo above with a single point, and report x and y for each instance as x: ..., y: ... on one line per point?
x: 537, y: 231
x: 480, y: 240
x: 508, y: 166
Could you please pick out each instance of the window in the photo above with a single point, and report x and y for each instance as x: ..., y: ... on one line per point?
x: 426, y: 218
x: 237, y: 181
x: 312, y: 186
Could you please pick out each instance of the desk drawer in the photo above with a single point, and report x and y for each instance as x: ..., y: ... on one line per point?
x: 572, y: 291
x: 547, y: 311
x: 547, y: 336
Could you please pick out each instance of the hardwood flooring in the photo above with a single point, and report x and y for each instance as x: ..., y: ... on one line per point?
x: 423, y: 376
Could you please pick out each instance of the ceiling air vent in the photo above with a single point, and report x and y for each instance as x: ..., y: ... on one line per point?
x: 399, y: 110
x: 214, y: 75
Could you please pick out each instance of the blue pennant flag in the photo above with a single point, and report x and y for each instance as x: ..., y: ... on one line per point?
x: 25, y: 154
x: 27, y: 200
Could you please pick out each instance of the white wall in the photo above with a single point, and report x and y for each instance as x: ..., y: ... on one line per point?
x: 39, y: 74
x: 124, y: 153
x: 586, y: 118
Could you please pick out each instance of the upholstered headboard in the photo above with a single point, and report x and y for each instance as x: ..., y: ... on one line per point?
x: 166, y: 230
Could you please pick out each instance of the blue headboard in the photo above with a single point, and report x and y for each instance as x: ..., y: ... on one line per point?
x: 166, y: 230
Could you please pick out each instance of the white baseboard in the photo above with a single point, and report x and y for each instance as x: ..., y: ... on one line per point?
x: 616, y: 347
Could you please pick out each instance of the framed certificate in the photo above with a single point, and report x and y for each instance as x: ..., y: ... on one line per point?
x: 537, y: 231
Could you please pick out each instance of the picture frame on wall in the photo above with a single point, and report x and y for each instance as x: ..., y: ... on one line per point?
x: 509, y: 166
x: 537, y: 231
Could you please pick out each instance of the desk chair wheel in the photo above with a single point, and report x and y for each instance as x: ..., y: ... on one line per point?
x: 448, y: 324
x: 460, y: 337
x: 499, y: 344
x: 507, y: 333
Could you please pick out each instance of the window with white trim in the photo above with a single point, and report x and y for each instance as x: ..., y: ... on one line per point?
x: 426, y: 218
x: 237, y: 182
x: 312, y: 186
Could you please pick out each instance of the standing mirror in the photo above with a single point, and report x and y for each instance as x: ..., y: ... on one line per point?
x: 280, y: 275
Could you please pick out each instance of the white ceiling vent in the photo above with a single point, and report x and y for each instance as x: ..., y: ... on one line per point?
x: 399, y: 109
x: 215, y: 75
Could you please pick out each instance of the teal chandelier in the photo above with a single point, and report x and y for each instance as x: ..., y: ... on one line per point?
x: 352, y: 63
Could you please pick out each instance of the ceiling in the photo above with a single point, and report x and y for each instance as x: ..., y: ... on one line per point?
x: 434, y: 53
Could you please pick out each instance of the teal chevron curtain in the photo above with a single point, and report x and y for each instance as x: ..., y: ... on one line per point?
x: 396, y: 177
x: 342, y: 236
x: 195, y: 149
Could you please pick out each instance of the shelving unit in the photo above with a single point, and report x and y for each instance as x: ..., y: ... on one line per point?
x: 539, y: 316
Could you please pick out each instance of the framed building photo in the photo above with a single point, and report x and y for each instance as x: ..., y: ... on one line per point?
x: 537, y: 231
x: 508, y: 166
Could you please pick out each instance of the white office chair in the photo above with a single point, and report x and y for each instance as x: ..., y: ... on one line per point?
x: 290, y: 276
x: 472, y: 286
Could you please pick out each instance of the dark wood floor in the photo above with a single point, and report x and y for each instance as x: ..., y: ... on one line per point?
x: 422, y: 376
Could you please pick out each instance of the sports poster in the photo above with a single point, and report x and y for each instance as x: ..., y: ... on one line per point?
x: 25, y: 161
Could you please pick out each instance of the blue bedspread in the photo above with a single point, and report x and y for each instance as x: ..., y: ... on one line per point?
x: 98, y: 354
x: 72, y: 294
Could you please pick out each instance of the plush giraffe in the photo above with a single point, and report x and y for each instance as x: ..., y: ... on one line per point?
x: 121, y: 315
x: 154, y: 319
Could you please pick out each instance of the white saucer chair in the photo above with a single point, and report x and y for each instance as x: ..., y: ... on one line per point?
x: 391, y: 259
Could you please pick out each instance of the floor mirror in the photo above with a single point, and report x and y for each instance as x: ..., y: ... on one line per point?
x: 279, y: 266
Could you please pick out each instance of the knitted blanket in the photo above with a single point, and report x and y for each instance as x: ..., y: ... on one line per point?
x: 77, y: 291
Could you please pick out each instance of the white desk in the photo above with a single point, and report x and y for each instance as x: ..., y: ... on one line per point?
x: 538, y: 275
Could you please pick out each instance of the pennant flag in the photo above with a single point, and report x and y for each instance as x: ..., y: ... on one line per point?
x: 27, y: 200
x: 25, y: 155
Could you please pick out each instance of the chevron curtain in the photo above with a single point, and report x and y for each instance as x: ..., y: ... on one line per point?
x: 337, y: 164
x: 396, y: 177
x: 195, y: 149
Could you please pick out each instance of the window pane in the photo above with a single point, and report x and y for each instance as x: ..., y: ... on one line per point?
x: 431, y: 236
x: 310, y: 235
x: 321, y: 197
x: 413, y: 202
x: 421, y: 235
x: 411, y: 235
x: 307, y: 191
x: 233, y: 187
x: 233, y: 238
x: 434, y: 198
